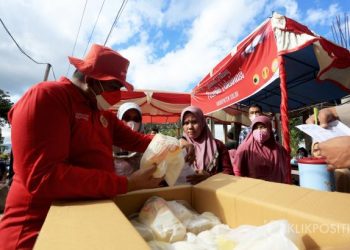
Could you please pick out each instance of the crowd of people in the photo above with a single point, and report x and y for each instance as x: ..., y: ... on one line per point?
x: 68, y: 145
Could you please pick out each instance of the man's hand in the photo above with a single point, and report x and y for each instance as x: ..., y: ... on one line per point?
x: 336, y: 151
x: 325, y: 116
x: 143, y: 178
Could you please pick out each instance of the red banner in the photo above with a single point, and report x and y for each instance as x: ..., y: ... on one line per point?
x: 249, y: 68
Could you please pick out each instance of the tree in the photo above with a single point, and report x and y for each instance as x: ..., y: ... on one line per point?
x: 295, y: 134
x: 5, y: 106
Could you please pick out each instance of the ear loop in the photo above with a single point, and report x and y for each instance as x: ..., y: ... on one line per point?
x: 103, y: 90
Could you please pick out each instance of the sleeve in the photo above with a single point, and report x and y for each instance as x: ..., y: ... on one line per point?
x: 41, y: 142
x: 242, y: 135
x: 238, y: 162
x: 129, y: 140
x: 224, y: 158
x: 343, y: 112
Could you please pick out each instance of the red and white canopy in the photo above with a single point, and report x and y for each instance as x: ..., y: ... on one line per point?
x: 282, y: 66
x: 157, y: 106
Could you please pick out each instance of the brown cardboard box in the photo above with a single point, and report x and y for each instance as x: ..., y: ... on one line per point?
x: 322, y: 218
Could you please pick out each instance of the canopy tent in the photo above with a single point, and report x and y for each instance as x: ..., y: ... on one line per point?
x: 282, y: 66
x: 166, y: 107
x: 156, y: 106
x: 229, y: 115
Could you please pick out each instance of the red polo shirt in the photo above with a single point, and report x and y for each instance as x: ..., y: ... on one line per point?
x: 62, y: 149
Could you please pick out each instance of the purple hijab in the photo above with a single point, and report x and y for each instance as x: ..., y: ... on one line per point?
x: 204, y: 144
x: 267, y: 161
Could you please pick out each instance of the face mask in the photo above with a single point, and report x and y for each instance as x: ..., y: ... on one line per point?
x: 102, y: 104
x: 252, y: 117
x: 135, y: 126
x: 260, y: 135
x: 105, y: 100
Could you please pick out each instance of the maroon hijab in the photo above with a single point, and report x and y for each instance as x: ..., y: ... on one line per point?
x: 204, y: 144
x: 267, y: 161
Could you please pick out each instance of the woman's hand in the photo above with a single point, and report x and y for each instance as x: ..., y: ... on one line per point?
x: 191, y: 154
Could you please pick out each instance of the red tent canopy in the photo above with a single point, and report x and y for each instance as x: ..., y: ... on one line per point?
x: 282, y: 66
x: 157, y: 106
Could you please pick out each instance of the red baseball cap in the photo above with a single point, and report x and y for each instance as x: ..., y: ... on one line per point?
x: 103, y: 64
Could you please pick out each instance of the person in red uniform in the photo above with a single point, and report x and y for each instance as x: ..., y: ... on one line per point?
x: 62, y: 144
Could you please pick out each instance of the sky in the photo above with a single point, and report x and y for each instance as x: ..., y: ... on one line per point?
x: 171, y: 45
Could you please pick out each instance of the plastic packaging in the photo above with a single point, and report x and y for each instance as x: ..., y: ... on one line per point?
x: 165, y: 226
x: 165, y: 152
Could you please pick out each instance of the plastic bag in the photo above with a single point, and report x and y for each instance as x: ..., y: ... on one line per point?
x: 194, y: 222
x: 185, y: 171
x: 144, y: 230
x: 157, y: 215
x: 274, y: 235
x: 165, y: 152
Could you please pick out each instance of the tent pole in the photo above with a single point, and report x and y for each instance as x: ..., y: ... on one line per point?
x: 284, y: 113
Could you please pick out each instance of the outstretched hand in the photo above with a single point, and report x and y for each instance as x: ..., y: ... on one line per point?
x: 143, y: 179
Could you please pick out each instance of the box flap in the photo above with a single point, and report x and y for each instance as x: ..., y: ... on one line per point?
x: 88, y: 225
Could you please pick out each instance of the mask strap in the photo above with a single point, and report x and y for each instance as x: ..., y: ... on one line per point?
x: 101, y: 85
x: 92, y: 91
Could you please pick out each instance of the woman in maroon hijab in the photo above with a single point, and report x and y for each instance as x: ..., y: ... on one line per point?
x: 260, y: 156
x: 211, y: 154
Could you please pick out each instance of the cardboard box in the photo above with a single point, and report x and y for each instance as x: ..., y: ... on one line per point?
x: 322, y: 218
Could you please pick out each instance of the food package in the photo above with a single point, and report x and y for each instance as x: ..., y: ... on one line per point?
x: 165, y: 226
x: 144, y: 230
x: 182, y: 211
x: 165, y: 152
x: 202, y: 222
x: 187, y: 170
x: 194, y: 222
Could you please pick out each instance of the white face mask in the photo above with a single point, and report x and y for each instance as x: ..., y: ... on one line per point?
x: 102, y: 104
x: 252, y: 117
x: 135, y: 126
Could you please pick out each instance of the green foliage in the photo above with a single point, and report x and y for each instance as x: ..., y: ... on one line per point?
x: 169, y: 129
x: 5, y: 106
x: 296, y: 136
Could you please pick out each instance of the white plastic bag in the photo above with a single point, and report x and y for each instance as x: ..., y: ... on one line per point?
x: 185, y: 171
x: 194, y: 222
x: 144, y: 230
x: 274, y: 235
x: 165, y: 152
x: 157, y: 215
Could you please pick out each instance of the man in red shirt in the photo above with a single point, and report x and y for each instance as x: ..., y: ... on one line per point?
x: 62, y: 144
